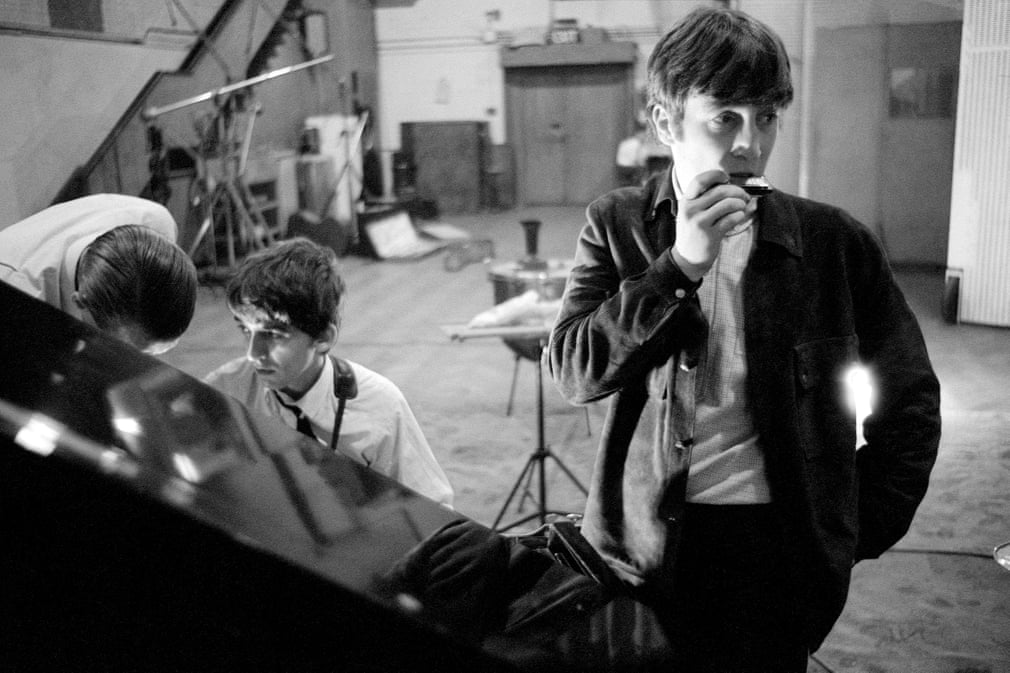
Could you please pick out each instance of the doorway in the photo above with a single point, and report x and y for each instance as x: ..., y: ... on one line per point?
x: 917, y: 140
x: 565, y: 123
x: 884, y: 99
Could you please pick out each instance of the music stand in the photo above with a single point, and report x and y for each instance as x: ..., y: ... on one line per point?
x: 536, y: 462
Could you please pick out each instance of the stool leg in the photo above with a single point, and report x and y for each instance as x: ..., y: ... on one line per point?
x: 512, y: 389
x: 589, y: 430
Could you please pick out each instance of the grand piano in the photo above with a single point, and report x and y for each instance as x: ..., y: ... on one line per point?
x: 152, y: 524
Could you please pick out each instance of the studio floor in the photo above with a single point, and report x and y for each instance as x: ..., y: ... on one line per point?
x: 936, y: 603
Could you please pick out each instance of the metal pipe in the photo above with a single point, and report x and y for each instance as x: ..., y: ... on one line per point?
x: 152, y: 112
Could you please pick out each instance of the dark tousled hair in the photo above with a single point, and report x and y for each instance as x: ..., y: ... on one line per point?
x: 296, y: 277
x: 132, y: 276
x: 721, y: 53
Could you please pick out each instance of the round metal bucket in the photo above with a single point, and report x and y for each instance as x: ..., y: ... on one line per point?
x: 511, y: 279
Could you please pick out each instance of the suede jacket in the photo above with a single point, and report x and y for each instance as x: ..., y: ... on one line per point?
x: 819, y: 296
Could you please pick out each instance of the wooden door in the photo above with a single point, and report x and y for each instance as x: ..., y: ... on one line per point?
x: 565, y: 123
x: 538, y: 117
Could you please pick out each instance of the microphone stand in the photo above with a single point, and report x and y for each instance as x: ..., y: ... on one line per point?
x: 229, y: 199
x: 215, y: 94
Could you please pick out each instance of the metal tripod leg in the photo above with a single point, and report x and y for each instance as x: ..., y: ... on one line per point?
x: 536, y: 466
x: 205, y: 200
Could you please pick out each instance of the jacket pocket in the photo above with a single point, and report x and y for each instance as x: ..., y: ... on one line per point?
x: 824, y: 360
x: 826, y: 423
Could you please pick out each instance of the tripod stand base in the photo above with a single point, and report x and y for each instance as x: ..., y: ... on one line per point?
x: 535, y: 465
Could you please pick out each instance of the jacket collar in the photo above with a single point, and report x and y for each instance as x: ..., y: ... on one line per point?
x: 779, y: 223
x: 659, y: 197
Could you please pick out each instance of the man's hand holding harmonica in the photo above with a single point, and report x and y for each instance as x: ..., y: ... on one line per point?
x: 711, y: 208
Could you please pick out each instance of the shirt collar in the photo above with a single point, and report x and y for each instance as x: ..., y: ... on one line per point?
x: 662, y: 191
x: 318, y: 398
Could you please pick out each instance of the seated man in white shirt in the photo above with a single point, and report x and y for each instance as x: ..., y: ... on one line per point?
x: 286, y: 301
x: 109, y: 260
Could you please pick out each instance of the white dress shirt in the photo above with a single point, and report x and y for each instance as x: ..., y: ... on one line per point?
x: 727, y: 462
x: 378, y: 428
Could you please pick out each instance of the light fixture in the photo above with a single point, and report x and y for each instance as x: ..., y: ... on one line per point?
x: 490, y: 35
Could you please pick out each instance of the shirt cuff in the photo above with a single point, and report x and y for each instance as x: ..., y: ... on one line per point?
x: 670, y: 279
x: 689, y: 270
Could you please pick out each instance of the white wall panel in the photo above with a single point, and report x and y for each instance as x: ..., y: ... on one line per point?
x: 979, y: 243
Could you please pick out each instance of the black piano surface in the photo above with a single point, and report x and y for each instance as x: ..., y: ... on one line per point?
x: 150, y: 523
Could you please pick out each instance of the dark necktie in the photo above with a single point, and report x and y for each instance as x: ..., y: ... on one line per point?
x: 301, y: 420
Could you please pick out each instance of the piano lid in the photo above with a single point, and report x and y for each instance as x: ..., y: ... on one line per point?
x: 150, y: 521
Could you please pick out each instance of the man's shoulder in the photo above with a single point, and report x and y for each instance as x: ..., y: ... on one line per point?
x: 371, y: 382
x: 136, y: 210
x: 635, y: 201
x: 19, y: 280
x: 378, y: 397
x: 85, y: 217
x: 819, y: 215
x: 633, y: 196
x: 806, y: 204
x: 826, y: 229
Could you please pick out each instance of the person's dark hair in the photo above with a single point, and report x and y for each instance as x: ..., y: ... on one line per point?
x: 133, y: 276
x: 721, y: 53
x: 297, y: 278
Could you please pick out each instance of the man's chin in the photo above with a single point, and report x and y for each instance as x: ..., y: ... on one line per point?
x: 269, y: 379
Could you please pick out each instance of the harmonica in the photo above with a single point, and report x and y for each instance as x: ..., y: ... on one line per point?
x: 752, y: 184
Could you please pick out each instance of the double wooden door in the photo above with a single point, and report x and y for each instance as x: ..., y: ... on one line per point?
x: 565, y: 123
